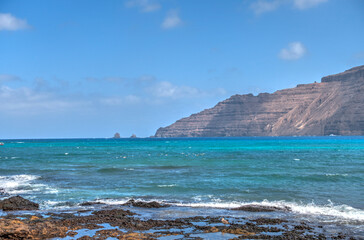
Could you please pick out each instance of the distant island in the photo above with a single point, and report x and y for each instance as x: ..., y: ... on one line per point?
x: 333, y: 107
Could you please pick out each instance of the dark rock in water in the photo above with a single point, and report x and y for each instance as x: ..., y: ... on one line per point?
x: 142, y: 204
x: 270, y: 221
x: 133, y: 136
x: 3, y: 192
x: 116, y: 135
x: 334, y: 106
x: 113, y: 212
x: 259, y: 208
x: 90, y: 203
x: 17, y: 203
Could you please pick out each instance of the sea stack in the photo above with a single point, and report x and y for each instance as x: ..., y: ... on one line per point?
x: 333, y: 107
x: 116, y: 135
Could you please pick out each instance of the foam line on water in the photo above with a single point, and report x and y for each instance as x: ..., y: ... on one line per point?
x: 23, y: 184
x: 340, y: 212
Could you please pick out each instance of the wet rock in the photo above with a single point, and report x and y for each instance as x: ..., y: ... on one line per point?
x: 85, y: 204
x: 3, y: 192
x: 16, y: 229
x: 142, y: 204
x: 113, y: 212
x: 302, y: 227
x: 238, y: 231
x: 271, y: 221
x: 17, y: 203
x: 260, y: 208
x: 128, y: 225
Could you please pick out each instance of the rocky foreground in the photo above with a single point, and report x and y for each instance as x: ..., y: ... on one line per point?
x: 121, y: 223
x: 334, y: 106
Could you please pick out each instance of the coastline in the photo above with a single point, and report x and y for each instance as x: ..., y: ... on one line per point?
x: 310, y: 182
x: 153, y: 220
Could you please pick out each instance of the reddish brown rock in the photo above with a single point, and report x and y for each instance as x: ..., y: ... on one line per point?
x: 334, y: 106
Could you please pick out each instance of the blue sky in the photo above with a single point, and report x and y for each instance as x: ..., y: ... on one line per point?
x: 92, y: 68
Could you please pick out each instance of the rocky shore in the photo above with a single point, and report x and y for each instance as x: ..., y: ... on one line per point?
x: 125, y: 222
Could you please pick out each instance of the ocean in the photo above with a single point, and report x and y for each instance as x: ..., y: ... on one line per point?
x: 319, y: 178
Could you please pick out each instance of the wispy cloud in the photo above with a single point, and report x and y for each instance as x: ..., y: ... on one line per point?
x: 106, y: 79
x: 27, y: 101
x: 172, y: 20
x: 294, y: 51
x: 168, y: 90
x: 144, y: 5
x: 10, y: 23
x: 8, y: 78
x: 55, y: 96
x: 304, y: 4
x: 263, y: 6
x: 118, y: 101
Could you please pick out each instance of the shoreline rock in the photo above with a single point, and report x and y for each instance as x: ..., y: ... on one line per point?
x: 124, y: 224
x: 142, y: 204
x: 17, y: 203
x: 260, y: 208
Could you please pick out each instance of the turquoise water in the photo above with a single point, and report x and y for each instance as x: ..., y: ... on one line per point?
x: 312, y: 175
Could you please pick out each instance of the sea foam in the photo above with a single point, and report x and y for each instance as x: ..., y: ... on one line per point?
x: 328, y: 212
x: 24, y: 184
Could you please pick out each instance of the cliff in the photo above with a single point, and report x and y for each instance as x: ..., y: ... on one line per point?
x: 334, y: 106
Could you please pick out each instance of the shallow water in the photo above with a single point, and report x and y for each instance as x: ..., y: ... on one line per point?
x: 317, y: 177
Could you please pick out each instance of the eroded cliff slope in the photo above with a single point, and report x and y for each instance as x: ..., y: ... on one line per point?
x: 334, y: 106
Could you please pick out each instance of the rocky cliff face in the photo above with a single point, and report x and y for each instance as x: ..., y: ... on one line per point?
x: 334, y: 106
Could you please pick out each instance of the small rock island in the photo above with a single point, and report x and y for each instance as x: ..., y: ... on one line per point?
x: 116, y: 135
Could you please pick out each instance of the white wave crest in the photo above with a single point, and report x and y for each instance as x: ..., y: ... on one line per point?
x: 113, y: 201
x: 336, y: 174
x: 23, y: 184
x: 334, y: 212
x: 329, y: 212
x: 170, y: 185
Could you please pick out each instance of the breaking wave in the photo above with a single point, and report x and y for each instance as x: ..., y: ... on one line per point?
x: 334, y: 212
x: 23, y: 184
x: 330, y: 211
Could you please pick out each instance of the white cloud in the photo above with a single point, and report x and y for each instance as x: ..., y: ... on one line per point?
x: 28, y: 101
x: 304, y: 4
x: 53, y: 97
x: 262, y: 6
x: 294, y: 51
x: 11, y: 23
x: 106, y: 79
x: 144, y: 5
x: 168, y: 90
x: 117, y: 101
x: 172, y: 20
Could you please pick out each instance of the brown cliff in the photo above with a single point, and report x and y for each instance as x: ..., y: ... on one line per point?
x: 334, y: 106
